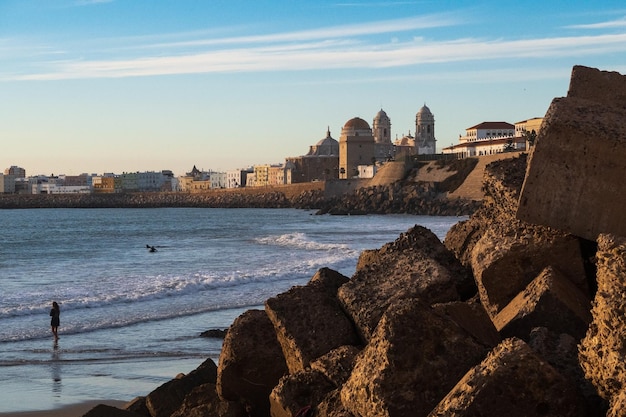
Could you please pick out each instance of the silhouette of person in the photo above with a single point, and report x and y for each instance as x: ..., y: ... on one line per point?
x: 55, y: 313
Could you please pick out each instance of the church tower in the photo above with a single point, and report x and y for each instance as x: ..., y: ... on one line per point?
x: 381, y: 128
x: 425, y: 142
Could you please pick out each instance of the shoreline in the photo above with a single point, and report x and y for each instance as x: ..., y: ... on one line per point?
x: 67, y: 410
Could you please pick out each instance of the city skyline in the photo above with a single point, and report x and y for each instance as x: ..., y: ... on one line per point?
x: 94, y: 86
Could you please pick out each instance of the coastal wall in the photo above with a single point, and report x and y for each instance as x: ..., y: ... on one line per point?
x: 575, y: 180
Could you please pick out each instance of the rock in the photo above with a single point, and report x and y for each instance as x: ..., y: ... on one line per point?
x: 551, y: 301
x: 309, y: 321
x: 167, y: 398
x: 505, y: 263
x: 251, y: 362
x: 138, y: 406
x: 416, y: 265
x: 618, y: 405
x: 602, y: 353
x: 337, y: 364
x: 561, y: 351
x: 472, y: 318
x: 512, y: 381
x: 331, y: 406
x: 298, y: 390
x: 413, y: 359
x: 502, y: 182
x: 203, y: 401
x: 214, y: 333
x: 575, y: 179
x: 103, y: 410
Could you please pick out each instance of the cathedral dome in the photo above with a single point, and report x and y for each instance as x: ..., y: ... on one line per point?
x: 356, y: 124
x: 326, y: 146
x: 424, y: 111
x: 381, y: 116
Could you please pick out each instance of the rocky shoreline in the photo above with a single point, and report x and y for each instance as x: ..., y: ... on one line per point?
x: 505, y: 317
x: 400, y: 197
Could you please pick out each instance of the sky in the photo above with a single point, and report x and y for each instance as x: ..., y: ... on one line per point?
x: 99, y: 86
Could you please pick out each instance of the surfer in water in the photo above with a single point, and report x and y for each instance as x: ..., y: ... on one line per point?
x: 151, y: 248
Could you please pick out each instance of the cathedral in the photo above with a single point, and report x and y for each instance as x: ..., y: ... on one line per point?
x: 360, y: 144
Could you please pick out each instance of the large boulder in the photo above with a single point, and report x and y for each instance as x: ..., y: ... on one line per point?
x: 309, y: 321
x: 575, y: 179
x: 251, y: 362
x: 203, y: 401
x: 413, y: 359
x: 505, y: 263
x: 502, y: 182
x: 514, y: 382
x: 417, y: 264
x: 337, y: 364
x: 560, y: 350
x: 602, y: 352
x: 471, y: 317
x: 551, y: 301
x: 167, y: 398
x: 331, y: 406
x: 103, y: 410
x: 297, y: 391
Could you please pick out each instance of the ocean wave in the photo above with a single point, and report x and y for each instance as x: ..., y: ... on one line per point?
x: 300, y: 240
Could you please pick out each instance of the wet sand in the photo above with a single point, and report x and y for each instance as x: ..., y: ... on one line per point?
x: 74, y: 410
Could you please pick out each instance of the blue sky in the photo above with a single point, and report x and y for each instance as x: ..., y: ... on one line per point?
x: 144, y: 85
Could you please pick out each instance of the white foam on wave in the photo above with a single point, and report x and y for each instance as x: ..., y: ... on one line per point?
x: 300, y: 240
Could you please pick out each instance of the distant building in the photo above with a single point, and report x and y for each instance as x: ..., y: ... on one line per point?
x: 356, y: 147
x: 7, y: 184
x: 487, y: 138
x: 425, y: 142
x: 237, y: 178
x: 319, y: 164
x: 381, y: 128
x: 16, y: 171
x: 405, y: 145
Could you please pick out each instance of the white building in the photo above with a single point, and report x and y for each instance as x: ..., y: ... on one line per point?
x: 487, y: 138
x: 7, y: 184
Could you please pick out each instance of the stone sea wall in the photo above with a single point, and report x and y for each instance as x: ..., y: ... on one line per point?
x: 336, y: 197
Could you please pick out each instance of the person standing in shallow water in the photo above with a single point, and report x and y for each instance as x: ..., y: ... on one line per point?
x: 55, y: 313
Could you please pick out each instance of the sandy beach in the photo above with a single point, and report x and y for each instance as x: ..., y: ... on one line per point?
x: 74, y: 410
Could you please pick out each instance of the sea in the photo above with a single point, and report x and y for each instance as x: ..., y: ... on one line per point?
x: 131, y: 319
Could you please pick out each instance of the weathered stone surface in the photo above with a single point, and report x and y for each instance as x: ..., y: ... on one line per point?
x: 331, y: 406
x: 203, y: 401
x: 514, y: 382
x: 251, y: 362
x: 618, y: 405
x: 138, y: 406
x: 309, y: 321
x: 472, y: 318
x: 103, y: 410
x: 337, y: 364
x: 502, y: 182
x: 167, y: 398
x: 602, y: 352
x: 551, y: 301
x: 505, y: 264
x: 575, y: 179
x: 561, y: 351
x: 413, y: 359
x: 298, y: 390
x: 415, y: 265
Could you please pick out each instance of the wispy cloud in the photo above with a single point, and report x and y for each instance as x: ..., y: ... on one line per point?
x: 611, y: 24
x: 341, y: 47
